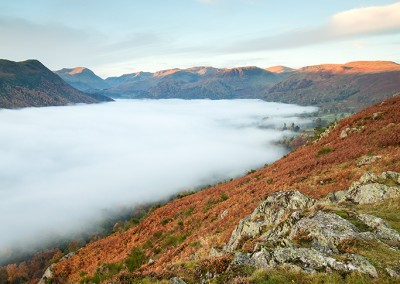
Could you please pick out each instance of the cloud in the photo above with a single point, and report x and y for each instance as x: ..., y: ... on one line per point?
x: 61, y: 167
x: 369, y: 20
x: 355, y: 23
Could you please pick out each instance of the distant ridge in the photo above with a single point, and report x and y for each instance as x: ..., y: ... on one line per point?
x: 30, y: 84
x: 82, y: 78
x: 279, y: 69
x: 345, y: 87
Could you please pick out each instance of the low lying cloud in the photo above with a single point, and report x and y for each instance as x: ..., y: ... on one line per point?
x: 61, y: 167
x: 348, y: 24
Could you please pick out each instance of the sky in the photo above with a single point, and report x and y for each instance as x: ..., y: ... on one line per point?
x: 62, y: 168
x: 124, y: 36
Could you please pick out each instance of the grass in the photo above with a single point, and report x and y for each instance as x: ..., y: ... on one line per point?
x: 323, y: 151
x: 388, y: 210
x: 136, y: 259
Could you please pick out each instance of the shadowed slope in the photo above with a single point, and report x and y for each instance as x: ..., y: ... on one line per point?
x: 30, y: 83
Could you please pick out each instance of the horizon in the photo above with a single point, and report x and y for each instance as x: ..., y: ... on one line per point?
x: 112, y: 40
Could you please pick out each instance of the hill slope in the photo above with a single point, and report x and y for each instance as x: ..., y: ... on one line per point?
x: 82, y: 79
x: 182, y: 233
x: 349, y: 87
x: 31, y: 84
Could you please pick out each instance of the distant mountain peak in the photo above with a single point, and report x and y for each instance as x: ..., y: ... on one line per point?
x: 82, y: 78
x: 279, y: 69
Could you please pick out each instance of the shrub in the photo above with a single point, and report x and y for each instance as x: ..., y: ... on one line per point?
x: 224, y: 196
x: 323, y: 151
x: 166, y: 221
x: 136, y: 259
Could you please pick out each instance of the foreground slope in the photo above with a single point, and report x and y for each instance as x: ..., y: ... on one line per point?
x: 349, y: 87
x: 31, y: 84
x: 185, y: 230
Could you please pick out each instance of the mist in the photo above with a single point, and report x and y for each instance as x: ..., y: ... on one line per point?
x: 62, y: 167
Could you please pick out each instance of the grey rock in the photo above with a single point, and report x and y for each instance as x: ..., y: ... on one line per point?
x: 216, y: 252
x: 372, y: 188
x: 242, y: 259
x: 392, y: 273
x: 275, y: 209
x: 324, y: 230
x: 176, y: 280
x: 382, y: 230
x: 365, y: 160
x: 311, y: 260
x: 48, y: 274
x: 224, y: 214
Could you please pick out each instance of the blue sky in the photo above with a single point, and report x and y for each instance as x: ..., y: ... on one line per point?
x: 122, y: 36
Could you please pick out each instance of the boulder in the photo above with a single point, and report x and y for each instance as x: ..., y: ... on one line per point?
x: 373, y: 188
x: 275, y: 209
x: 323, y: 231
x: 379, y: 227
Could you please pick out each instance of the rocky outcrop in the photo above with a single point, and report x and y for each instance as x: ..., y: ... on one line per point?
x: 296, y: 231
x: 372, y: 188
x: 379, y: 227
x: 275, y: 209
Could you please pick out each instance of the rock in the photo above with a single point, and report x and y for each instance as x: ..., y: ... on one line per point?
x: 392, y: 273
x: 379, y: 227
x: 224, y: 213
x: 277, y: 236
x: 323, y: 231
x: 176, y: 280
x: 343, y: 134
x: 275, y: 209
x: 242, y: 259
x: 365, y: 160
x: 216, y: 252
x: 48, y: 274
x: 310, y: 260
x: 333, y: 197
x: 372, y: 188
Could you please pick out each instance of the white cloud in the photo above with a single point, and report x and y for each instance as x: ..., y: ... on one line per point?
x: 351, y: 24
x: 377, y: 19
x: 61, y: 166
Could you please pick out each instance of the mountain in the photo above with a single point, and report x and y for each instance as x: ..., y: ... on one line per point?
x: 82, y: 79
x: 344, y: 88
x: 280, y: 69
x: 350, y: 86
x: 31, y: 84
x: 194, y: 83
x: 186, y: 237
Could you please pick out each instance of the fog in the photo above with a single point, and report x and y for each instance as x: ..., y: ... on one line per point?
x: 61, y: 167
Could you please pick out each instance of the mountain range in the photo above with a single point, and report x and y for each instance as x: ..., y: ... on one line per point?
x: 349, y: 86
x: 31, y: 84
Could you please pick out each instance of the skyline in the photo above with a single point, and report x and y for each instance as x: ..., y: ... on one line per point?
x: 114, y: 39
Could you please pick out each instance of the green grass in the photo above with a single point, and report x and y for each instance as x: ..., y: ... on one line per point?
x: 323, y: 151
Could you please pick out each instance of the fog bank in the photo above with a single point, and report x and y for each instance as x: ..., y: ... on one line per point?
x: 61, y: 167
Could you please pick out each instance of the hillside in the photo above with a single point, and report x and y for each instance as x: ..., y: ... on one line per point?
x: 82, y: 79
x: 176, y: 239
x: 31, y: 84
x: 348, y: 87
